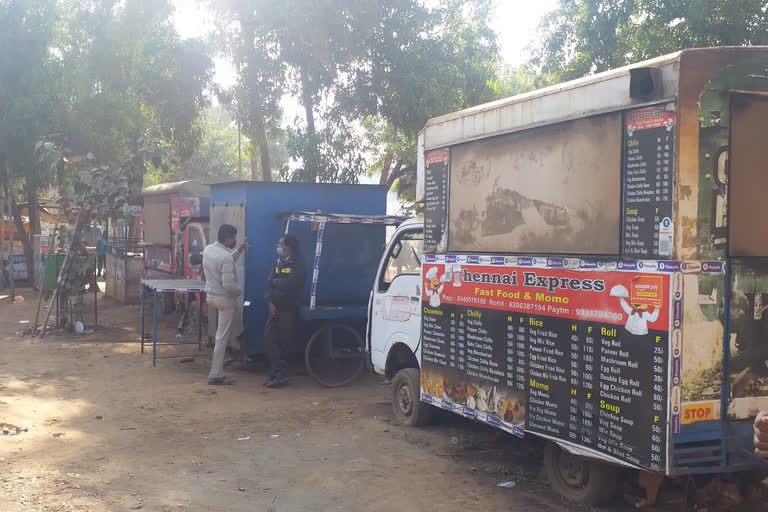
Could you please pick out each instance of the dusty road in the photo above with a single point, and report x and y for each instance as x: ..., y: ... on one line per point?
x: 107, y: 432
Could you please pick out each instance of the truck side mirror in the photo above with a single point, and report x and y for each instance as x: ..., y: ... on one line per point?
x: 396, y: 249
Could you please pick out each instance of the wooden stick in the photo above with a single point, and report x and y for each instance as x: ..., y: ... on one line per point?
x: 64, y: 267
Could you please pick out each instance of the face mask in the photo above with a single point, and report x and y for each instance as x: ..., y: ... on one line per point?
x: 280, y: 251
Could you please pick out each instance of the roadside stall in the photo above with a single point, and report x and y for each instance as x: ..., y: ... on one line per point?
x: 125, y: 257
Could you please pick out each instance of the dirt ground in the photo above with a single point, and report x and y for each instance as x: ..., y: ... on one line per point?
x: 108, y: 432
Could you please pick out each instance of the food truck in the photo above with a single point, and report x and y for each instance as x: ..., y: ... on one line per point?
x: 175, y: 224
x: 176, y: 221
x: 590, y: 270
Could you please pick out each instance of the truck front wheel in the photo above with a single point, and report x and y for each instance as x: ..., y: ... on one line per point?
x: 407, y: 406
x: 579, y: 479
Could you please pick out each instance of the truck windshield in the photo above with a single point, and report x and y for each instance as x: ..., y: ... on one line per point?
x: 195, y: 247
x: 405, y: 257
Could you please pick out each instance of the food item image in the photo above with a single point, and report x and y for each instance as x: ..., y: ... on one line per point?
x: 432, y: 384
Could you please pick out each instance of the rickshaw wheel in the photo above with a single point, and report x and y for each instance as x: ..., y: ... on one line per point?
x: 335, y: 355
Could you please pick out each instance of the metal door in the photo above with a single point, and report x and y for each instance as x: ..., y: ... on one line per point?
x: 235, y: 216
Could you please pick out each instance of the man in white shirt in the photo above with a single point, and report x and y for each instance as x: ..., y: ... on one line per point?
x: 222, y: 290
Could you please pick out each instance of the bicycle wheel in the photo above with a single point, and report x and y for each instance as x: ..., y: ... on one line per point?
x: 335, y: 355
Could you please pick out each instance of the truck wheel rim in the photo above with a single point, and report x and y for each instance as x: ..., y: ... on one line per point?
x: 404, y: 400
x: 572, y: 469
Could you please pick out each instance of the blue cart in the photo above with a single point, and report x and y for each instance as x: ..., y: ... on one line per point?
x: 341, y: 268
x: 345, y: 252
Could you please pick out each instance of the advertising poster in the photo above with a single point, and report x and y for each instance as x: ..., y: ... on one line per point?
x: 573, y: 352
x: 748, y: 351
x: 158, y: 258
x: 183, y: 207
x: 19, y: 260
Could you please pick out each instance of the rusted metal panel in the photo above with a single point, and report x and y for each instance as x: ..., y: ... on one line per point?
x: 707, y: 78
x: 748, y: 179
x: 555, y: 189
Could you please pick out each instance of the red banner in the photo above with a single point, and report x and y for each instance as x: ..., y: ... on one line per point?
x: 650, y: 118
x: 612, y: 297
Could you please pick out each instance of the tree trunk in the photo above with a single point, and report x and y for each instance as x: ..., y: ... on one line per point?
x: 266, y: 162
x: 34, y: 213
x: 309, y: 157
x: 254, y: 166
x: 400, y: 170
x: 259, y: 137
x: 22, y: 235
x: 384, y: 178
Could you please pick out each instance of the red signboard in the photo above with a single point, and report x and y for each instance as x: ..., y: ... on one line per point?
x: 601, y: 296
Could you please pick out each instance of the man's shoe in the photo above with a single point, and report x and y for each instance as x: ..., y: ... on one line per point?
x: 221, y: 381
x: 277, y: 380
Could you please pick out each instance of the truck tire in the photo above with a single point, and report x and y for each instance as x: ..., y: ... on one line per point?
x: 579, y: 479
x: 407, y: 406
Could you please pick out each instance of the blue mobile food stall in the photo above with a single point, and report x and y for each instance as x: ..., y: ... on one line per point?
x: 341, y: 230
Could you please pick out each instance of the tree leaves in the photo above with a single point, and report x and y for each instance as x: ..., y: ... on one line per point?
x: 588, y: 36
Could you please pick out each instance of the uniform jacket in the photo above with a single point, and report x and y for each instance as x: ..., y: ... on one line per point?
x: 285, y: 285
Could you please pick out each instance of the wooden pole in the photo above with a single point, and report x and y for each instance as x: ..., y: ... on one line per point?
x: 10, y: 228
x: 47, y: 267
x: 2, y: 237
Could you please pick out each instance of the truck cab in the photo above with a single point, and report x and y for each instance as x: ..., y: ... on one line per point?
x: 394, y: 329
x: 196, y: 238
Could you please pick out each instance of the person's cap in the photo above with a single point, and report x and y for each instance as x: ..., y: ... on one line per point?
x: 431, y: 273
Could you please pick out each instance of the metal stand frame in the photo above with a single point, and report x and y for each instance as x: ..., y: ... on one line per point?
x: 144, y: 285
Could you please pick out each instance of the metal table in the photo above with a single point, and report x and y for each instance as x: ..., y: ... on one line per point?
x: 170, y: 286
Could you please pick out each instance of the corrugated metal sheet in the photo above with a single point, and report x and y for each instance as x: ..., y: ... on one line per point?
x: 190, y: 187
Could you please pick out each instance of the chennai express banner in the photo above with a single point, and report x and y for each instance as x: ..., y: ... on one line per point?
x: 575, y: 355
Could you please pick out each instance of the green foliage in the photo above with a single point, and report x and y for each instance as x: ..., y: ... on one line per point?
x: 399, y: 61
x: 587, y: 36
x: 28, y: 79
x: 419, y: 63
x: 93, y: 78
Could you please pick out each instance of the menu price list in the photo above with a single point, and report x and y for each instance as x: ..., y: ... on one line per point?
x: 647, y: 184
x: 436, y: 183
x: 478, y: 343
x: 586, y: 383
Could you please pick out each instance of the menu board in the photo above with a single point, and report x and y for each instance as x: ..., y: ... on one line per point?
x: 578, y: 355
x: 436, y: 183
x: 648, y: 184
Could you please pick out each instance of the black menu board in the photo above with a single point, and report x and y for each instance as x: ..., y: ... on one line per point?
x: 436, y: 183
x: 648, y: 184
x: 590, y: 371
